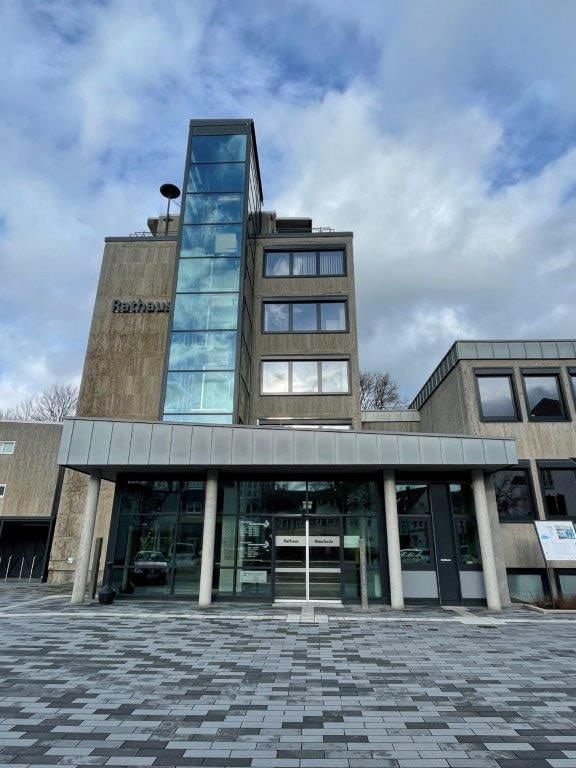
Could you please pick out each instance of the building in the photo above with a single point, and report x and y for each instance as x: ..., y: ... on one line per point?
x: 219, y: 449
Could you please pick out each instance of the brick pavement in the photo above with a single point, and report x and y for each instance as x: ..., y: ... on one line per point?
x: 146, y: 684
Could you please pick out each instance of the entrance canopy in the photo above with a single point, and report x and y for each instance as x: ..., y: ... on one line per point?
x: 112, y: 446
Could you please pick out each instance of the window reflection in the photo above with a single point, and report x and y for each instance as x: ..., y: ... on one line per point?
x: 202, y: 350
x: 218, y: 149
x: 559, y: 492
x: 412, y: 498
x: 205, y: 312
x: 497, y: 397
x: 544, y: 399
x: 513, y: 498
x: 211, y: 240
x: 207, y: 275
x: 222, y: 177
x: 208, y: 209
x: 414, y: 541
x: 199, y: 391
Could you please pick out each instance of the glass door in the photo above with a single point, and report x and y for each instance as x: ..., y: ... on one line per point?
x: 291, y: 559
x: 324, y: 558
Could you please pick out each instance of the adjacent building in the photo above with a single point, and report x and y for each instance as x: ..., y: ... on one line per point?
x: 219, y: 449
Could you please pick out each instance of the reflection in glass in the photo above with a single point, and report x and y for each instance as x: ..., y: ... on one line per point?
x: 227, y: 148
x: 199, y: 391
x: 412, y: 498
x: 334, y: 376
x: 277, y: 264
x: 525, y: 587
x: 543, y: 394
x: 304, y: 317
x: 461, y: 499
x: 304, y: 377
x: 496, y: 397
x: 414, y: 541
x: 324, y: 497
x: 199, y: 418
x: 202, y: 350
x: 304, y: 263
x: 254, y: 542
x: 274, y: 377
x: 208, y: 209
x: 208, y: 275
x: 356, y: 528
x: 205, y: 312
x: 467, y: 541
x: 211, y: 240
x: 567, y: 583
x: 221, y: 177
x: 333, y: 316
x: 276, y: 318
x: 559, y: 492
x: 513, y: 497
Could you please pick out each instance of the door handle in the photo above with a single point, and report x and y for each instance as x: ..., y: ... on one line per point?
x: 445, y: 560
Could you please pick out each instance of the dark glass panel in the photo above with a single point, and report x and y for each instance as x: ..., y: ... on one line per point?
x: 205, y: 312
x: 304, y: 317
x: 513, y: 497
x: 496, y: 397
x: 351, y: 584
x: 359, y: 498
x: 323, y: 497
x: 221, y: 177
x: 277, y: 264
x: 461, y: 499
x: 412, y: 498
x: 186, y: 552
x: 276, y: 318
x: 543, y: 394
x: 414, y: 541
x: 202, y: 351
x: 208, y: 275
x: 199, y: 391
x: 467, y: 543
x: 333, y: 316
x: 227, y: 148
x: 208, y: 209
x: 211, y: 240
x: 560, y: 492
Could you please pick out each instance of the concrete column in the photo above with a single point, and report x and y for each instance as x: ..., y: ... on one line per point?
x: 208, y: 538
x: 85, y: 548
x: 486, y: 545
x: 393, y: 540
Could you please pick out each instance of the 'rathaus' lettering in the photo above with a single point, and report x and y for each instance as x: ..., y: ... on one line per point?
x: 138, y: 306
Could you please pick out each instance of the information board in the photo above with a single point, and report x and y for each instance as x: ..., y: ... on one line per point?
x: 557, y: 539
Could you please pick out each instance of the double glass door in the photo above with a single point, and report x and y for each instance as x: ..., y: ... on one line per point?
x: 307, y: 559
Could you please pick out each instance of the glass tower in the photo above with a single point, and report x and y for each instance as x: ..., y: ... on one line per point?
x: 208, y: 370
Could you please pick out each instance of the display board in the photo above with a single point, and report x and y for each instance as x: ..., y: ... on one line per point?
x: 557, y: 539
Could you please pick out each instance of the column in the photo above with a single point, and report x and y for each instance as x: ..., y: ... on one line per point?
x: 393, y: 540
x: 83, y: 558
x: 486, y: 545
x: 208, y: 538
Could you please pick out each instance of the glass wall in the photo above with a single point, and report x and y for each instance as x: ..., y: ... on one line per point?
x: 200, y: 384
x: 158, y: 544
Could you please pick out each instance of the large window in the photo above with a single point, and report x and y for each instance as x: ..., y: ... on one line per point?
x: 559, y: 487
x: 304, y: 263
x: 544, y: 397
x: 465, y: 527
x: 497, y: 398
x: 304, y: 316
x: 305, y: 377
x: 527, y: 586
x: 513, y: 495
x: 415, y: 524
x: 7, y: 447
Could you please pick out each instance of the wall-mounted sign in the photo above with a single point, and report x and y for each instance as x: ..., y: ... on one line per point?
x: 324, y: 541
x: 290, y: 541
x: 137, y: 306
x: 557, y: 539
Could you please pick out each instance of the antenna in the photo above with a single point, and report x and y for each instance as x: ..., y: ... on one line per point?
x: 171, y: 192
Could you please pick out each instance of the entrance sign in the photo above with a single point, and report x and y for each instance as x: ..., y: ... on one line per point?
x: 557, y: 539
x: 324, y: 541
x: 290, y: 541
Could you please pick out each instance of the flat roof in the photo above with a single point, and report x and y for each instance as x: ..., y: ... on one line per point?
x: 533, y: 349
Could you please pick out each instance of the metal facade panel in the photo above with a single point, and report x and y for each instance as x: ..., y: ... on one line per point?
x: 409, y: 449
x: 303, y: 447
x: 120, y: 443
x: 387, y: 446
x: 221, y: 445
x: 242, y: 446
x: 452, y: 452
x: 140, y: 444
x: 263, y: 449
x: 566, y: 349
x: 80, y: 442
x: 180, y: 445
x: 160, y: 444
x: 345, y: 447
x: 473, y: 451
x: 201, y: 446
x: 366, y: 449
x: 100, y: 443
x: 283, y: 446
x: 517, y: 350
x: 324, y: 448
x: 65, y: 439
x: 495, y: 451
x: 430, y: 451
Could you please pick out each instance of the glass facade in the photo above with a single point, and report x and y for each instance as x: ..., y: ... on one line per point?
x: 304, y: 263
x: 513, y: 495
x: 211, y: 321
x: 305, y: 377
x: 497, y: 401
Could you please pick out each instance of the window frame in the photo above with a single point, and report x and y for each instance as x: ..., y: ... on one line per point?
x: 497, y: 373
x: 3, y: 444
x: 543, y: 372
x: 340, y: 248
x: 531, y: 572
x: 292, y: 301
x: 2, y: 490
x: 554, y: 465
x: 318, y: 361
x: 524, y: 466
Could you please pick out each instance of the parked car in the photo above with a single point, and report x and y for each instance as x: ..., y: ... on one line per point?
x: 150, y: 567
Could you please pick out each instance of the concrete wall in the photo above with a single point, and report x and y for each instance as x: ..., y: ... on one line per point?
x: 308, y: 344
x: 30, y: 473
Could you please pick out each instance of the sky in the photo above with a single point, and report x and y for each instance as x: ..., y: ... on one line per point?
x: 442, y: 133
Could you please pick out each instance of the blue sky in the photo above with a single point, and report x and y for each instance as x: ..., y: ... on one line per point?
x: 441, y: 132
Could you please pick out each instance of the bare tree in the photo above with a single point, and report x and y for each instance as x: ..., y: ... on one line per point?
x: 379, y: 392
x: 54, y: 403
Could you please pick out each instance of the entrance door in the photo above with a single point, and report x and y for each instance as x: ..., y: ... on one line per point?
x: 446, y: 559
x: 307, y: 559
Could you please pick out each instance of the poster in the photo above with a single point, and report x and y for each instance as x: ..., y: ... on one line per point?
x: 557, y: 539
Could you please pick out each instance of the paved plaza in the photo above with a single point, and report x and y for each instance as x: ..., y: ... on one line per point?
x: 151, y: 684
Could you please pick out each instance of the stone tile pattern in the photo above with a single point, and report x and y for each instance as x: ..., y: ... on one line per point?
x: 163, y: 685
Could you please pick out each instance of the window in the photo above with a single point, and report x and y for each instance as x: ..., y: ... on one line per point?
x: 211, y: 240
x: 226, y: 148
x: 513, y: 495
x: 305, y: 377
x: 496, y: 396
x: 304, y: 317
x: 219, y: 177
x: 526, y: 586
x: 208, y: 209
x: 2, y: 490
x: 304, y: 263
x: 199, y: 391
x: 465, y: 527
x: 559, y: 487
x: 205, y: 312
x: 7, y: 447
x: 304, y: 424
x: 202, y: 350
x: 544, y: 397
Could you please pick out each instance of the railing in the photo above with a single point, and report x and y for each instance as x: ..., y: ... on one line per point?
x: 26, y: 574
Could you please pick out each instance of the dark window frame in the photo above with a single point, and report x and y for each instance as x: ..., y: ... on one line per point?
x: 545, y: 372
x: 554, y: 466
x: 523, y: 466
x: 529, y: 572
x: 291, y: 302
x: 316, y: 359
x: 325, y: 249
x: 497, y: 373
